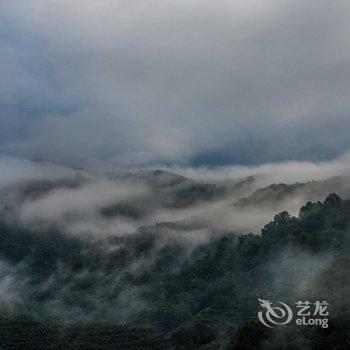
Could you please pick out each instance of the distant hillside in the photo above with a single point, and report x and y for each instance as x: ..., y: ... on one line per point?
x: 161, y: 190
x: 275, y: 195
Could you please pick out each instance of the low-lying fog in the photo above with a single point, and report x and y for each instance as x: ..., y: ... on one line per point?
x: 234, y: 199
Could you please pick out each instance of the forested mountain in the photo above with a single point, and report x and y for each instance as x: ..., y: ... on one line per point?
x: 172, y: 285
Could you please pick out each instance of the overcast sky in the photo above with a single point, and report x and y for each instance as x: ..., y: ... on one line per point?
x: 132, y: 83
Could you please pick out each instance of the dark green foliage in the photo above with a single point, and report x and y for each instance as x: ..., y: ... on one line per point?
x: 250, y: 336
x: 190, y: 294
x: 24, y: 333
x: 193, y: 337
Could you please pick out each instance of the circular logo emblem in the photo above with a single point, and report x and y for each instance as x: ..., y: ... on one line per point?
x: 274, y: 315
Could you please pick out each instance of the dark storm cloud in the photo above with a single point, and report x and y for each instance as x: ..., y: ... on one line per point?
x: 126, y: 83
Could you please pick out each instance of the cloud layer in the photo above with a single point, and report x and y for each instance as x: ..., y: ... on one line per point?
x: 224, y: 199
x: 133, y: 83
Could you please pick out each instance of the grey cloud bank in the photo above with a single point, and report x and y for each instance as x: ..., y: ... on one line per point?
x: 124, y: 83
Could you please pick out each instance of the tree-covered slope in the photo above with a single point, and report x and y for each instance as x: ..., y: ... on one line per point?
x: 163, y: 277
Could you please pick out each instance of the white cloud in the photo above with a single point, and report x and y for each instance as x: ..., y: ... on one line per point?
x: 280, y: 172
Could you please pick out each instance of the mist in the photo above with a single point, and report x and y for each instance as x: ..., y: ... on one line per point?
x: 228, y: 199
x: 140, y: 218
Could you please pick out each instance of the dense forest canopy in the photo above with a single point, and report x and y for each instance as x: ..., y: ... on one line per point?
x: 172, y: 284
